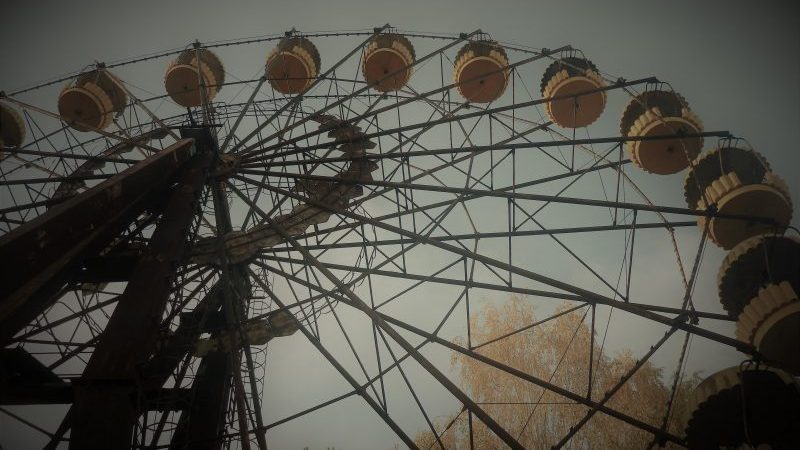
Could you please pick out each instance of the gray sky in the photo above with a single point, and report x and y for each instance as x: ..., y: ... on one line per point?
x: 736, y: 62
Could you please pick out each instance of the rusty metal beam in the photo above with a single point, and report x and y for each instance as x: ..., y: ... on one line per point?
x: 192, y: 324
x: 104, y: 411
x: 114, y: 266
x: 47, y: 250
x: 170, y: 399
x: 201, y: 426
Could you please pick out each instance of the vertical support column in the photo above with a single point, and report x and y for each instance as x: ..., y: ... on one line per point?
x: 201, y: 425
x: 105, y: 407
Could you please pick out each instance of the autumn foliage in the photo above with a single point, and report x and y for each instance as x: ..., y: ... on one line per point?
x: 557, y: 351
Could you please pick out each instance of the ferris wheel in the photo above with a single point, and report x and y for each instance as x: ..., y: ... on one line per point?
x: 365, y: 190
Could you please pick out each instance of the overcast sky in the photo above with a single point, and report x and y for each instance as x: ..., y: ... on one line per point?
x: 736, y: 62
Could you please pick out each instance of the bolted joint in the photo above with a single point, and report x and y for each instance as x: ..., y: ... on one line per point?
x: 227, y: 165
x: 711, y: 210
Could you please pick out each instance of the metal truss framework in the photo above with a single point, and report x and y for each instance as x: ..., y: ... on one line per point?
x: 127, y: 240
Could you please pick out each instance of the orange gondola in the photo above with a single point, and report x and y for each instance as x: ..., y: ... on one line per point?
x: 293, y: 65
x: 736, y: 181
x: 91, y: 101
x: 481, y: 71
x: 759, y: 282
x: 387, y: 60
x: 745, y: 405
x: 661, y: 113
x: 573, y: 82
x: 187, y: 81
x: 12, y: 128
